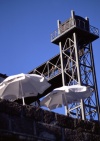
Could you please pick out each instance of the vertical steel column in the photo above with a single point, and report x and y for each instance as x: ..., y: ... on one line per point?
x: 61, y: 58
x: 78, y: 67
x: 62, y: 67
x: 62, y: 72
x: 95, y: 82
x: 78, y: 73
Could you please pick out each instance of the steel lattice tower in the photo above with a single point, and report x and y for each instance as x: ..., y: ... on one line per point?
x: 75, y: 37
x: 74, y: 64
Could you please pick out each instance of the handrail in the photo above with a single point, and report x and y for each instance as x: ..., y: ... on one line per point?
x: 69, y: 24
x: 94, y: 30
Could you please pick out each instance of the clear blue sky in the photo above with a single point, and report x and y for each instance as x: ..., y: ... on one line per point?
x: 25, y: 28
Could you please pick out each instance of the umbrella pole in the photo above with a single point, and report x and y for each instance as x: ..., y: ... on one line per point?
x: 22, y: 94
x: 65, y: 110
x: 66, y: 106
x: 23, y: 100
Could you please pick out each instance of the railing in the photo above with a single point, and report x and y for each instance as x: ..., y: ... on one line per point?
x: 72, y: 22
x: 94, y: 30
x: 50, y: 70
x: 69, y: 24
x: 51, y: 73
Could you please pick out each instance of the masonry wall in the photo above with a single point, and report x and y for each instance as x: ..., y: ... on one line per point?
x: 27, y: 123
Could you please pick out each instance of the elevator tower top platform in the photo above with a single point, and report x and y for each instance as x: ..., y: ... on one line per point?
x: 76, y: 24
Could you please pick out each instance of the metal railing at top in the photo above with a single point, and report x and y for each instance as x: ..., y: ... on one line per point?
x: 94, y: 30
x: 69, y: 24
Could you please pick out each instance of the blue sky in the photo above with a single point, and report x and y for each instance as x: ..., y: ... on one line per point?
x: 25, y: 28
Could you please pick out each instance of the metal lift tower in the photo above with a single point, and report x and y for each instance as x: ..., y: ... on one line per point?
x: 74, y: 64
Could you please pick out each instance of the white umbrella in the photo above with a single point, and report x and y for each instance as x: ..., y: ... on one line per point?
x: 65, y: 95
x: 22, y: 85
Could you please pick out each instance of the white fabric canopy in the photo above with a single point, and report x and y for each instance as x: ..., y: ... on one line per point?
x: 22, y: 85
x: 65, y: 95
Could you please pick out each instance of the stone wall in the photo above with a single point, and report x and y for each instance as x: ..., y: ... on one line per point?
x: 27, y: 123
